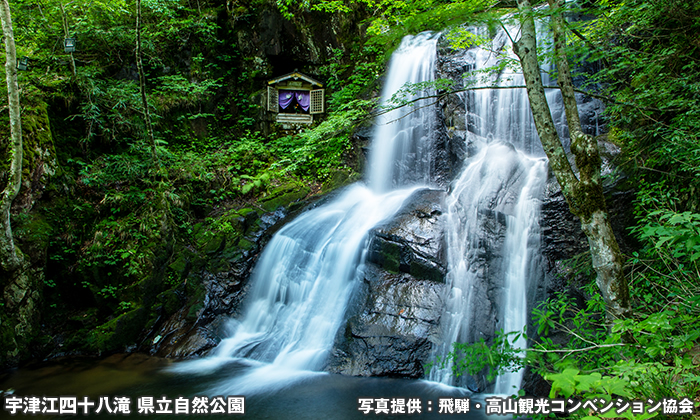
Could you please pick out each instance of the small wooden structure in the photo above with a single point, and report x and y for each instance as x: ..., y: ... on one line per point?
x: 23, y: 64
x: 69, y: 45
x: 295, y: 98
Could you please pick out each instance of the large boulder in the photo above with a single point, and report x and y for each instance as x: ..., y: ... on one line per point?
x: 413, y: 240
x: 393, y: 326
x: 393, y: 321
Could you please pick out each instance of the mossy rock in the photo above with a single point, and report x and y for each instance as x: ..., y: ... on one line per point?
x: 240, y: 220
x: 193, y: 313
x: 337, y: 179
x: 283, y: 196
x: 170, y: 301
x: 389, y: 255
x: 34, y: 228
x: 81, y: 340
x: 196, y: 292
x: 9, y: 348
x: 120, y: 332
x: 87, y: 320
x: 421, y: 270
x: 218, y: 265
x: 215, y: 244
x: 180, y: 264
x: 245, y: 244
x: 248, y: 213
x: 37, y: 141
x: 197, y: 229
x: 252, y: 217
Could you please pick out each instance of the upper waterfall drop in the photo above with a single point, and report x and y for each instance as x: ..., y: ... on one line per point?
x: 401, y: 149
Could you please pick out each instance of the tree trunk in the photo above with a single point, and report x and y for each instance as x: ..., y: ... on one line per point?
x: 9, y: 259
x: 142, y: 83
x: 585, y: 193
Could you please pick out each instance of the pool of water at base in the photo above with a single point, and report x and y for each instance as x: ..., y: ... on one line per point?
x: 312, y: 396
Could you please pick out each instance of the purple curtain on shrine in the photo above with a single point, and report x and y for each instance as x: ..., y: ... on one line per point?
x: 286, y: 98
x: 304, y: 99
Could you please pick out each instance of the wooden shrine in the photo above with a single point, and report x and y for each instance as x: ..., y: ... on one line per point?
x: 295, y: 98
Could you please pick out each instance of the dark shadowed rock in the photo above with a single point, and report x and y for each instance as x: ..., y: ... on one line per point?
x: 413, y: 240
x: 392, y: 326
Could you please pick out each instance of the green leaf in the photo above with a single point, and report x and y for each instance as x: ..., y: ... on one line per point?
x: 564, y: 382
x: 586, y: 382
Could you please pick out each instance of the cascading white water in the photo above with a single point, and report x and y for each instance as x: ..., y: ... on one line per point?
x: 499, y: 185
x: 400, y: 153
x: 307, y: 273
x: 502, y: 184
x: 522, y: 245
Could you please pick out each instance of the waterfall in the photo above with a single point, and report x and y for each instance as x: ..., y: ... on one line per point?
x: 307, y: 273
x: 400, y: 154
x: 493, y: 216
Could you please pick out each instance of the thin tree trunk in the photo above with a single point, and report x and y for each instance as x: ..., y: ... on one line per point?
x: 605, y: 251
x: 142, y: 83
x: 9, y: 259
x: 66, y: 35
x: 585, y: 193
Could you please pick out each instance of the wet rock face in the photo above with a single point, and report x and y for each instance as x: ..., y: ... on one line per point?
x: 561, y: 232
x: 485, y: 265
x: 192, y: 327
x: 393, y: 321
x: 392, y: 328
x: 195, y: 329
x: 485, y: 261
x: 413, y: 241
x: 452, y: 64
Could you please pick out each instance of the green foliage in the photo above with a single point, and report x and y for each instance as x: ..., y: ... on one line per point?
x: 570, y: 382
x: 320, y: 151
x: 394, y: 19
x: 177, y: 91
x: 653, y: 76
x: 462, y: 38
x: 648, y: 357
x: 675, y: 233
x: 351, y: 74
x: 497, y: 357
x: 633, y: 358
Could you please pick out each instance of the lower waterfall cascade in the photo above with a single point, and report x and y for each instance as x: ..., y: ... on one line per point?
x: 307, y: 273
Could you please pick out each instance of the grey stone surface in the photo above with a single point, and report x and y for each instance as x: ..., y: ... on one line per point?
x: 413, y: 240
x: 391, y: 327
